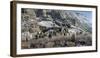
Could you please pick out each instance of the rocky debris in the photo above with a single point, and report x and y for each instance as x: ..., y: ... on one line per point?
x: 49, y: 44
x: 70, y: 44
x: 84, y: 40
x: 54, y: 28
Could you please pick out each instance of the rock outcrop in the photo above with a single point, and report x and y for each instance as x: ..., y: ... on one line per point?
x: 44, y: 28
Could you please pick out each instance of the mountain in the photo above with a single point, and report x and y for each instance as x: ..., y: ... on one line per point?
x: 74, y: 19
x: 62, y: 28
x: 61, y: 18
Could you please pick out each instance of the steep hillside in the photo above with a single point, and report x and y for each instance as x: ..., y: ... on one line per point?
x: 43, y: 28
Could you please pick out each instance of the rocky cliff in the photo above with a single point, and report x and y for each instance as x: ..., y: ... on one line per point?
x: 54, y: 28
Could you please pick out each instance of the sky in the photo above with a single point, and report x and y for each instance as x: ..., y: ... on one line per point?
x: 87, y: 14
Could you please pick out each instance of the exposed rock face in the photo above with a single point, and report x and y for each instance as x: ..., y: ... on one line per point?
x: 43, y: 28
